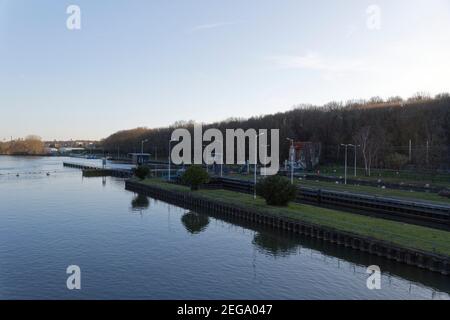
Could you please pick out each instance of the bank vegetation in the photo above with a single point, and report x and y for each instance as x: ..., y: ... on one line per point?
x: 392, y: 134
x: 31, y: 145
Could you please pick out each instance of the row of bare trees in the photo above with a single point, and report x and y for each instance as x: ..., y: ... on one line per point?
x: 31, y: 145
x: 383, y: 129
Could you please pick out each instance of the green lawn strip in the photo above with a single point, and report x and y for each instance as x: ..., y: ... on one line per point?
x: 421, y: 179
x: 413, y: 195
x: 405, y: 235
x: 394, y: 193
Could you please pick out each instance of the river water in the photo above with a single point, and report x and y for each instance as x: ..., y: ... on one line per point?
x: 133, y: 247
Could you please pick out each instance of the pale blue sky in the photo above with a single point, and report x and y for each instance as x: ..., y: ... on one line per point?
x: 151, y: 63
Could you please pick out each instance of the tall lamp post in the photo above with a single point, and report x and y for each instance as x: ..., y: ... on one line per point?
x: 292, y: 159
x: 142, y: 146
x: 220, y: 155
x: 265, y: 154
x: 356, y: 146
x: 206, y: 162
x: 256, y: 162
x: 346, y: 147
x: 170, y: 160
x: 142, y: 150
x: 217, y: 157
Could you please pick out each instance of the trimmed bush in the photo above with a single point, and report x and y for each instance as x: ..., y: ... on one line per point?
x: 276, y: 190
x: 141, y: 172
x: 194, y: 176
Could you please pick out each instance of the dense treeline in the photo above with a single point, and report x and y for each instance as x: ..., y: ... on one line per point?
x: 31, y: 145
x: 383, y: 129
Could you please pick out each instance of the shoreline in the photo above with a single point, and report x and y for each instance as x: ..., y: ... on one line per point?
x: 32, y: 155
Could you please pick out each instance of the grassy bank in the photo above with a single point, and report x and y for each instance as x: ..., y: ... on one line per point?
x: 412, y: 195
x: 392, y: 176
x: 405, y: 235
x: 394, y: 193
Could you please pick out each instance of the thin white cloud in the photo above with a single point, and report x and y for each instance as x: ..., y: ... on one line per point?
x: 402, y: 67
x: 211, y: 26
x: 314, y: 61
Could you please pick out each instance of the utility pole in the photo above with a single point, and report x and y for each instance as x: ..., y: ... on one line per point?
x: 355, y: 158
x: 170, y: 142
x: 142, y: 151
x: 142, y: 146
x: 346, y: 148
x: 346, y: 164
x: 410, y: 150
x: 291, y: 155
x: 220, y: 155
x: 256, y: 162
x: 265, y: 154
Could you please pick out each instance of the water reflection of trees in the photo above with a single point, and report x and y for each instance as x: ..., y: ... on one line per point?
x: 275, y: 245
x: 140, y: 202
x: 195, y: 223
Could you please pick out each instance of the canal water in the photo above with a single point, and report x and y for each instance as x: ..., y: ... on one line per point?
x: 133, y: 247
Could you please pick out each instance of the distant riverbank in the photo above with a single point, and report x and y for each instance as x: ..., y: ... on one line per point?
x: 30, y: 155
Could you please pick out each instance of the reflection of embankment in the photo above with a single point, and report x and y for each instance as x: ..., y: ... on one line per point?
x: 274, y: 245
x: 195, y: 223
x: 281, y: 244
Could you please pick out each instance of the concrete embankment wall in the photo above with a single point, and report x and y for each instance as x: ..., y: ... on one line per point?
x: 425, y: 260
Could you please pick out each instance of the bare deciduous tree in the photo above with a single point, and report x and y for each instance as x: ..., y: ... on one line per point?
x: 370, y: 141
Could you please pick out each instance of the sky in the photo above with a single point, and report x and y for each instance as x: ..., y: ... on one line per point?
x: 151, y: 63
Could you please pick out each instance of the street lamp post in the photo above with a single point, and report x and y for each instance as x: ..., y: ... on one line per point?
x: 345, y: 170
x: 292, y: 159
x: 142, y: 150
x: 265, y: 154
x: 216, y: 155
x: 355, y: 158
x: 256, y: 162
x: 142, y: 146
x: 207, y: 160
x: 221, y: 165
x: 170, y: 142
